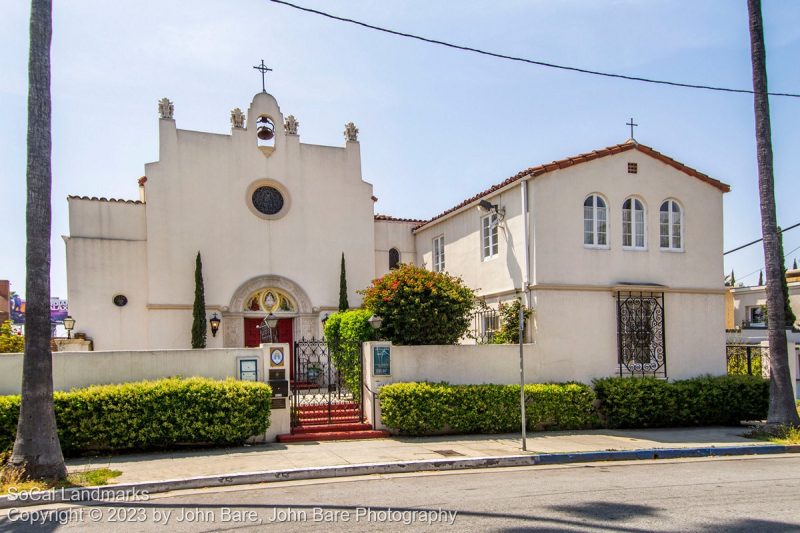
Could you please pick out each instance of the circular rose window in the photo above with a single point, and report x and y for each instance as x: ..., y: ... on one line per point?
x: 267, y: 200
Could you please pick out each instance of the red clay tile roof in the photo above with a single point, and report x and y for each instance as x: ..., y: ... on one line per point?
x: 102, y: 199
x: 396, y: 219
x: 583, y: 158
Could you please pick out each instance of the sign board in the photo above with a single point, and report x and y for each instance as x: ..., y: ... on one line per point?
x: 248, y: 369
x: 381, y: 360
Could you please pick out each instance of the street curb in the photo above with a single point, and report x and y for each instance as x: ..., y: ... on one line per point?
x: 127, y: 492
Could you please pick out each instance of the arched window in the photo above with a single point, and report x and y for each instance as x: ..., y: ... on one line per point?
x: 633, y: 225
x: 595, y: 219
x: 670, y: 218
x: 394, y: 258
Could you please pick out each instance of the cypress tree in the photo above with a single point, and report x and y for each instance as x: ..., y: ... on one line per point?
x: 790, y: 318
x: 343, y: 305
x: 199, y: 309
x: 761, y: 278
x: 733, y: 279
x: 794, y: 265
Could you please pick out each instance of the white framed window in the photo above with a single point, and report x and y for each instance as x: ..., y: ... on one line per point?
x: 633, y: 224
x: 438, y: 253
x: 670, y: 218
x: 595, y: 222
x: 756, y: 315
x: 489, y: 236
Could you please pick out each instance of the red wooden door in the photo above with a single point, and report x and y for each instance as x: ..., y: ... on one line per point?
x: 252, y: 333
x: 285, y: 333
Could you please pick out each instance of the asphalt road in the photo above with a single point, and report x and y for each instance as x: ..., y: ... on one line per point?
x: 744, y: 494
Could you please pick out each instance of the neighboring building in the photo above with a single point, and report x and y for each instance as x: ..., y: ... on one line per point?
x: 747, y: 305
x: 5, y: 300
x: 617, y: 251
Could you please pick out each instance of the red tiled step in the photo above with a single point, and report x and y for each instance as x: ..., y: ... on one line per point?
x: 334, y: 435
x: 338, y: 405
x: 333, y: 421
x: 323, y: 413
x: 328, y: 428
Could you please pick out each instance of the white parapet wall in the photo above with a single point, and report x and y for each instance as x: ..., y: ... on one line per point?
x: 82, y: 369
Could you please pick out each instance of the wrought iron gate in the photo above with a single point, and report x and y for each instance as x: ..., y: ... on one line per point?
x: 321, y: 392
x: 745, y: 359
x: 640, y: 333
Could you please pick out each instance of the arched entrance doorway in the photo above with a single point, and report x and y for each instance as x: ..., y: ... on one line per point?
x: 257, y: 298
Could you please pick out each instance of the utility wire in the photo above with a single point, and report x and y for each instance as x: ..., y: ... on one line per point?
x: 759, y: 269
x: 522, y: 59
x: 759, y: 240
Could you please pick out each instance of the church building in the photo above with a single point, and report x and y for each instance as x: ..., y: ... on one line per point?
x: 618, y: 252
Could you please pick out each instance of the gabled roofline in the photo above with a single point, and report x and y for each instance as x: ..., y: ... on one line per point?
x: 533, y: 172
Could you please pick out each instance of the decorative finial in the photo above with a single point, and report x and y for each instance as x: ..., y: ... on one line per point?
x: 165, y: 108
x: 237, y: 118
x: 263, y: 69
x: 290, y: 125
x: 631, y: 124
x: 350, y: 132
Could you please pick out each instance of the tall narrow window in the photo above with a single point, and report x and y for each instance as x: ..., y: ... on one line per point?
x: 489, y: 236
x: 438, y: 254
x: 594, y: 221
x: 633, y: 230
x: 394, y: 258
x: 671, y: 225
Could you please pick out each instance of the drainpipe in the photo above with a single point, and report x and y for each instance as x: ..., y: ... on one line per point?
x: 526, y: 281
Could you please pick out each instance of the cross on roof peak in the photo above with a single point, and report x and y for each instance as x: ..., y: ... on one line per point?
x: 631, y: 124
x: 263, y: 69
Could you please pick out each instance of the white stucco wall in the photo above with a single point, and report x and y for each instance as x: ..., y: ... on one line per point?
x: 393, y: 234
x: 462, y: 238
x: 560, y: 256
x: 82, y: 369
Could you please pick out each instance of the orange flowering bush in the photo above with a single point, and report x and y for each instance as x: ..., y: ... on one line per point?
x: 419, y: 306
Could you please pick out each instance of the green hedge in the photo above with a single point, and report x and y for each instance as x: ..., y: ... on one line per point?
x: 152, y: 414
x: 425, y: 408
x: 702, y: 401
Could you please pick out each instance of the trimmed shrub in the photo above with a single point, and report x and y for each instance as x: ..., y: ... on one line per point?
x: 152, y: 414
x: 705, y: 400
x: 10, y: 342
x: 344, y: 332
x: 419, y: 306
x: 427, y: 408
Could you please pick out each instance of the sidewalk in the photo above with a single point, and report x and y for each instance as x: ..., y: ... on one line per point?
x: 220, y: 461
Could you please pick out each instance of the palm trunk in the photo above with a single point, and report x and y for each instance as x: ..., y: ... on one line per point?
x: 37, y: 451
x: 782, y: 409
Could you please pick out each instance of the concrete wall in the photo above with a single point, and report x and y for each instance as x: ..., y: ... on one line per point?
x: 393, y: 234
x: 82, y: 369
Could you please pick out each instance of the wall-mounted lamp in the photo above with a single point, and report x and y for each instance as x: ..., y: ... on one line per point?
x: 215, y: 322
x: 486, y: 205
x: 69, y: 325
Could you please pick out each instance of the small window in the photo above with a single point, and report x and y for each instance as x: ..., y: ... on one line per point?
x: 756, y: 316
x: 489, y: 236
x: 394, y: 258
x: 438, y: 254
x: 670, y: 218
x: 633, y: 226
x: 633, y: 168
x: 595, y: 221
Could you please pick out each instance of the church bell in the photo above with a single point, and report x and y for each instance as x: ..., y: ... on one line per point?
x: 265, y: 133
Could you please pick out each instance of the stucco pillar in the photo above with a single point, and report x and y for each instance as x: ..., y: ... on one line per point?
x: 373, y: 384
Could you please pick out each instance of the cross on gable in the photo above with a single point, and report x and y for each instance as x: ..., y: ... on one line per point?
x: 631, y: 124
x: 263, y: 69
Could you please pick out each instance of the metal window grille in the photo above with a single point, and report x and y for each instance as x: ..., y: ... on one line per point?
x: 640, y: 334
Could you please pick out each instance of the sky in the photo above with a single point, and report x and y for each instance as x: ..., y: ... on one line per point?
x: 436, y: 125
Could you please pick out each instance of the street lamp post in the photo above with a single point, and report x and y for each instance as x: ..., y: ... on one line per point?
x: 69, y: 325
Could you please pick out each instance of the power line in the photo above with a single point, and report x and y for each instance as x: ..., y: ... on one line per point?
x: 759, y: 269
x: 522, y: 59
x: 759, y: 240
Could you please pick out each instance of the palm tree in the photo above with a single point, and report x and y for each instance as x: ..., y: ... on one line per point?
x: 782, y: 409
x: 37, y: 451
